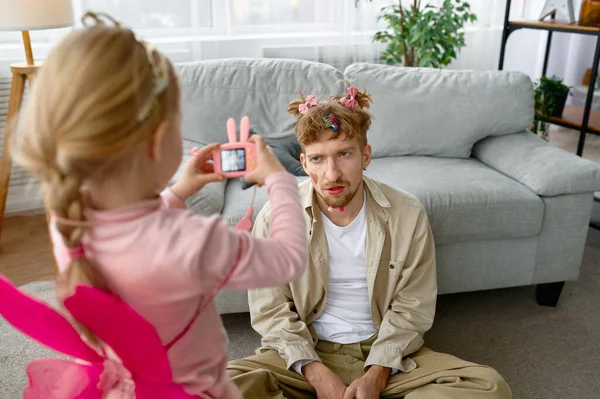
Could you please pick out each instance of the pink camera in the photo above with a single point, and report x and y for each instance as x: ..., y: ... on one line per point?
x: 235, y: 159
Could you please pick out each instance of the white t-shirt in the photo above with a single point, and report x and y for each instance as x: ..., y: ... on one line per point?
x: 346, y: 317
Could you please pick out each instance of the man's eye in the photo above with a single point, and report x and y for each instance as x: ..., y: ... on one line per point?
x: 315, y: 159
x: 344, y: 153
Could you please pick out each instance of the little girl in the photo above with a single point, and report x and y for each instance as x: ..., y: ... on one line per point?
x: 102, y: 132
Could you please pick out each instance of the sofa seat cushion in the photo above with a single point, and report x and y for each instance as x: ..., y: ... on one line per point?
x: 465, y: 199
x: 237, y: 200
x: 211, y: 198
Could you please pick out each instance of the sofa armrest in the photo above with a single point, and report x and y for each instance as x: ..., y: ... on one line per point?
x: 544, y: 169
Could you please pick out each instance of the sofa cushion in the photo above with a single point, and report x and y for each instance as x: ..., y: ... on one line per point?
x: 211, y: 198
x: 238, y: 200
x: 424, y: 111
x: 215, y: 90
x: 465, y: 199
x: 542, y: 167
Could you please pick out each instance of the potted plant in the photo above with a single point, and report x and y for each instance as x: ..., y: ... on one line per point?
x: 550, y: 96
x: 425, y: 36
x: 553, y: 93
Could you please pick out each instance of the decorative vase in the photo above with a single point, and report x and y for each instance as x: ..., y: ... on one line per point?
x: 590, y: 13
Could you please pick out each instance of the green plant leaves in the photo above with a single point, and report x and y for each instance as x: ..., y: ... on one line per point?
x: 545, y: 102
x: 425, y: 36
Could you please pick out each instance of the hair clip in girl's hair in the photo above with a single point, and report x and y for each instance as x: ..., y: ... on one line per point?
x: 311, y: 101
x: 331, y: 121
x: 350, y: 101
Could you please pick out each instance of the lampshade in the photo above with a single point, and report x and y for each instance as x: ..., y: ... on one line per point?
x: 21, y: 15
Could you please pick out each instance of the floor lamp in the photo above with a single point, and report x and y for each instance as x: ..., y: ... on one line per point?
x: 25, y: 15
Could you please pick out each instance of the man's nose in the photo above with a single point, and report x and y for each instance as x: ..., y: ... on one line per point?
x: 333, y: 172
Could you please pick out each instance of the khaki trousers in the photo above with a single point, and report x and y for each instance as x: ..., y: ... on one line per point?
x: 437, y: 376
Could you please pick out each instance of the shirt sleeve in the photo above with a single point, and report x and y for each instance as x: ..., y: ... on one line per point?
x: 172, y: 201
x: 217, y: 256
x: 297, y: 366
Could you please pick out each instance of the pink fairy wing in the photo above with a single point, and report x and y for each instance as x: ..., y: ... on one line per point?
x: 62, y: 379
x: 133, y: 338
x: 42, y: 323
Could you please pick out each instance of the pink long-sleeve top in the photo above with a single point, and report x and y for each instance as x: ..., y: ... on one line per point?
x: 163, y: 260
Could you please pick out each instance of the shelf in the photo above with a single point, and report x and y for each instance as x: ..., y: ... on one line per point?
x: 556, y: 26
x: 572, y: 117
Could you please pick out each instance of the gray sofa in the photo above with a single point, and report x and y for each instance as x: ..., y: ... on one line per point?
x: 506, y: 208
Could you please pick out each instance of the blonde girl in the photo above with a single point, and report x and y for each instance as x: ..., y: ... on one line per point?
x: 102, y: 133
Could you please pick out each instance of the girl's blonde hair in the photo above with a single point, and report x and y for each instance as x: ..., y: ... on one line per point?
x: 93, y: 102
x: 354, y: 122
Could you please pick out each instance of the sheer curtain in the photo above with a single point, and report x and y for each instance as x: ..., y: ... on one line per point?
x: 331, y: 31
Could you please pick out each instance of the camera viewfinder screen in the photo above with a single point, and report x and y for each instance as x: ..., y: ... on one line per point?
x: 233, y: 160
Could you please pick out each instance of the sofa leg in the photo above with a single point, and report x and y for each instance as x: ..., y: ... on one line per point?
x: 548, y: 294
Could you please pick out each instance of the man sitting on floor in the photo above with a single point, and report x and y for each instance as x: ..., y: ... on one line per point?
x: 352, y: 326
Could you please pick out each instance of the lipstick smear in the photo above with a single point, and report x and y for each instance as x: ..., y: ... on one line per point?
x: 314, y: 178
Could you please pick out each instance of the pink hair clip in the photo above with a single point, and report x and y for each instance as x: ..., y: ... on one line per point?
x: 311, y: 101
x: 350, y: 101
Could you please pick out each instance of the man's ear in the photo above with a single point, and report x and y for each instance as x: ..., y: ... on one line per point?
x: 303, y: 162
x: 367, y: 155
x: 156, y: 143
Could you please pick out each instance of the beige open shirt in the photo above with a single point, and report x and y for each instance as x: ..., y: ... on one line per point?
x: 401, y: 279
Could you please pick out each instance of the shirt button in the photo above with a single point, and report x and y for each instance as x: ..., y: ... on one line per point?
x: 315, y: 311
x: 392, y: 266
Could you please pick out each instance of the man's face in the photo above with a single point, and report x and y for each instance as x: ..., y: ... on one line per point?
x: 336, y: 168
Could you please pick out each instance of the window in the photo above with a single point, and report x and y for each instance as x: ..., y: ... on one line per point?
x: 287, y: 15
x: 158, y: 17
x: 188, y: 30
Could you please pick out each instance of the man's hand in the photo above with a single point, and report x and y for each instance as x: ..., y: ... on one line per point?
x: 197, y: 173
x: 370, y: 385
x: 324, y: 381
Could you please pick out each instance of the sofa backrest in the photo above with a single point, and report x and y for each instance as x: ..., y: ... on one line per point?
x: 215, y: 90
x: 425, y: 111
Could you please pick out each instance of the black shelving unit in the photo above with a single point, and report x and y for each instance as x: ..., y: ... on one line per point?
x: 564, y: 27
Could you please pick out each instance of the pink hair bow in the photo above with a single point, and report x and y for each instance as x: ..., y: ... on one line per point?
x: 350, y: 101
x: 142, y: 370
x: 311, y: 101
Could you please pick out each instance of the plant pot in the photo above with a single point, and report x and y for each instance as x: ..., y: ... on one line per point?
x: 559, y: 102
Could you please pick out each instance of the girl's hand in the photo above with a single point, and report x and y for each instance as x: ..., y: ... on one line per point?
x: 197, y: 173
x: 266, y: 164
